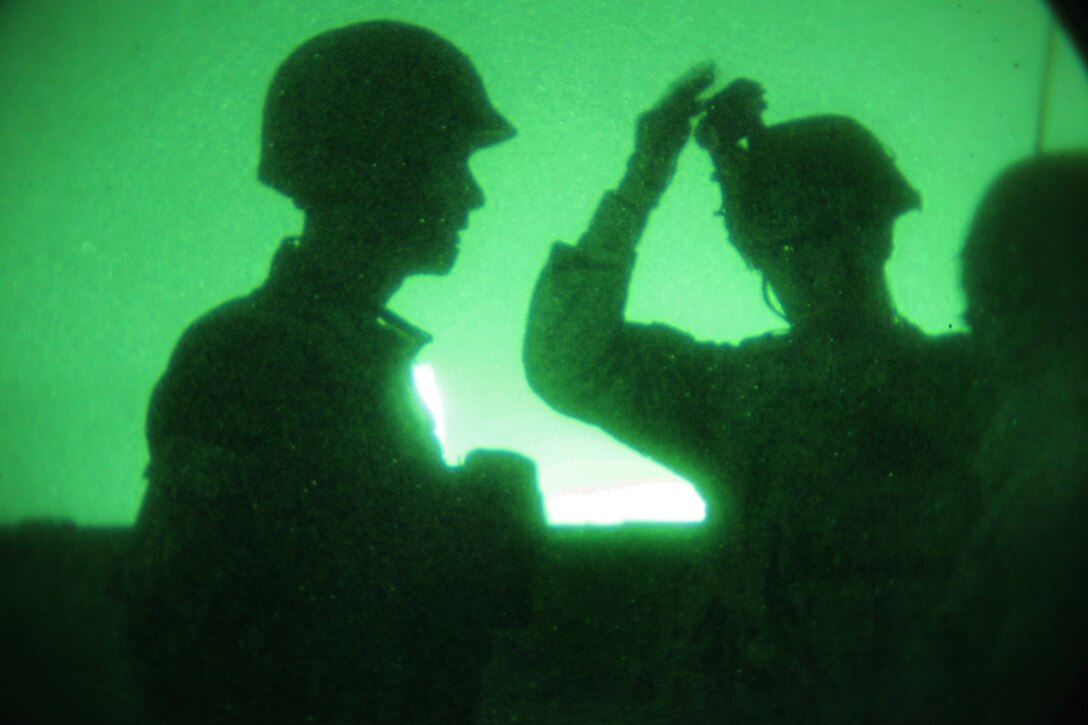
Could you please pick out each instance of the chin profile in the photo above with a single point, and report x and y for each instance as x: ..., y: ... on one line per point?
x: 439, y: 264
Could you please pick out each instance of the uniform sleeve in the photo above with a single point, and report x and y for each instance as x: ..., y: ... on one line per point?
x: 264, y: 392
x: 283, y: 513
x: 645, y: 385
x: 290, y: 461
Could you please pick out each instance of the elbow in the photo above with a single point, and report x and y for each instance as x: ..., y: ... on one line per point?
x: 554, y: 376
x: 567, y: 336
x: 561, y: 373
x: 544, y: 370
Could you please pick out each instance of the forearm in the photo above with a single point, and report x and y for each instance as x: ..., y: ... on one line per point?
x: 619, y: 220
x: 576, y: 316
x: 577, y: 307
x: 576, y: 338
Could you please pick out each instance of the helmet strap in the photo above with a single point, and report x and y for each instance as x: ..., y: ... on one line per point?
x: 770, y: 304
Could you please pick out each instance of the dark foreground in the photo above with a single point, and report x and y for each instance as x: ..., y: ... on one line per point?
x: 613, y: 605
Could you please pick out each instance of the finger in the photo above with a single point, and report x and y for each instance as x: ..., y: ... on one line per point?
x: 683, y: 93
x: 694, y: 81
x: 739, y: 91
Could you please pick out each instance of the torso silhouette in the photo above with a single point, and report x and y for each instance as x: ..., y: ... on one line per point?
x: 834, y: 469
x: 300, y: 553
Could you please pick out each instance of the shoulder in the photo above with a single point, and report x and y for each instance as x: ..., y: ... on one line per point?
x: 770, y: 353
x: 951, y: 345
x: 249, y: 339
x: 951, y: 385
x: 769, y: 343
x: 952, y: 357
x: 242, y: 360
x: 675, y: 348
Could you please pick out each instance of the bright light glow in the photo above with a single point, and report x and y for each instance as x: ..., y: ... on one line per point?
x: 603, y: 504
x: 427, y: 387
x: 634, y: 501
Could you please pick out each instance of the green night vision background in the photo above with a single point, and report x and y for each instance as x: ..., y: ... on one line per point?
x: 129, y: 139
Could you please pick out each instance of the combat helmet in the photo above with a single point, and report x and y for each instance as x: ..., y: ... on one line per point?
x: 366, y: 102
x: 802, y: 181
x: 1026, y: 256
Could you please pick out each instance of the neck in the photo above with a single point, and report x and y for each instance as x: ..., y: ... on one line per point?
x: 843, y: 293
x: 845, y: 324
x: 345, y: 248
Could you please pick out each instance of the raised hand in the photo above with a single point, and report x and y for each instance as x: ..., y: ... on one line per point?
x: 731, y: 114
x: 662, y: 132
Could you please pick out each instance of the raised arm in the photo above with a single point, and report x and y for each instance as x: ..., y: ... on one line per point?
x: 661, y: 135
x: 580, y: 357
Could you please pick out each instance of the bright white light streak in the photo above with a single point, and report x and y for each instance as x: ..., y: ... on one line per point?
x: 617, y: 503
x: 427, y: 387
x: 612, y: 503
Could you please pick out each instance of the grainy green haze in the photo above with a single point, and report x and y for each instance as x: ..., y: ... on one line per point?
x: 128, y: 133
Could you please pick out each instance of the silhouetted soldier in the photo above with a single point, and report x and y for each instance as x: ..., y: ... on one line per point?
x: 818, y: 450
x: 1015, y: 631
x: 302, y: 553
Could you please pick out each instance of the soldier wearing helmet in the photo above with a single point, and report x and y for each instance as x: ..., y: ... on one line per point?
x: 1012, y: 638
x: 810, y: 203
x: 820, y: 450
x: 302, y: 553
x: 361, y: 119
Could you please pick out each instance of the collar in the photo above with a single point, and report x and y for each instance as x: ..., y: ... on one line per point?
x: 413, y: 338
x: 304, y: 287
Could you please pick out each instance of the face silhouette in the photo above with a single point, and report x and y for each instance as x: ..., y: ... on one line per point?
x: 806, y: 283
x: 445, y: 194
x: 819, y: 286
